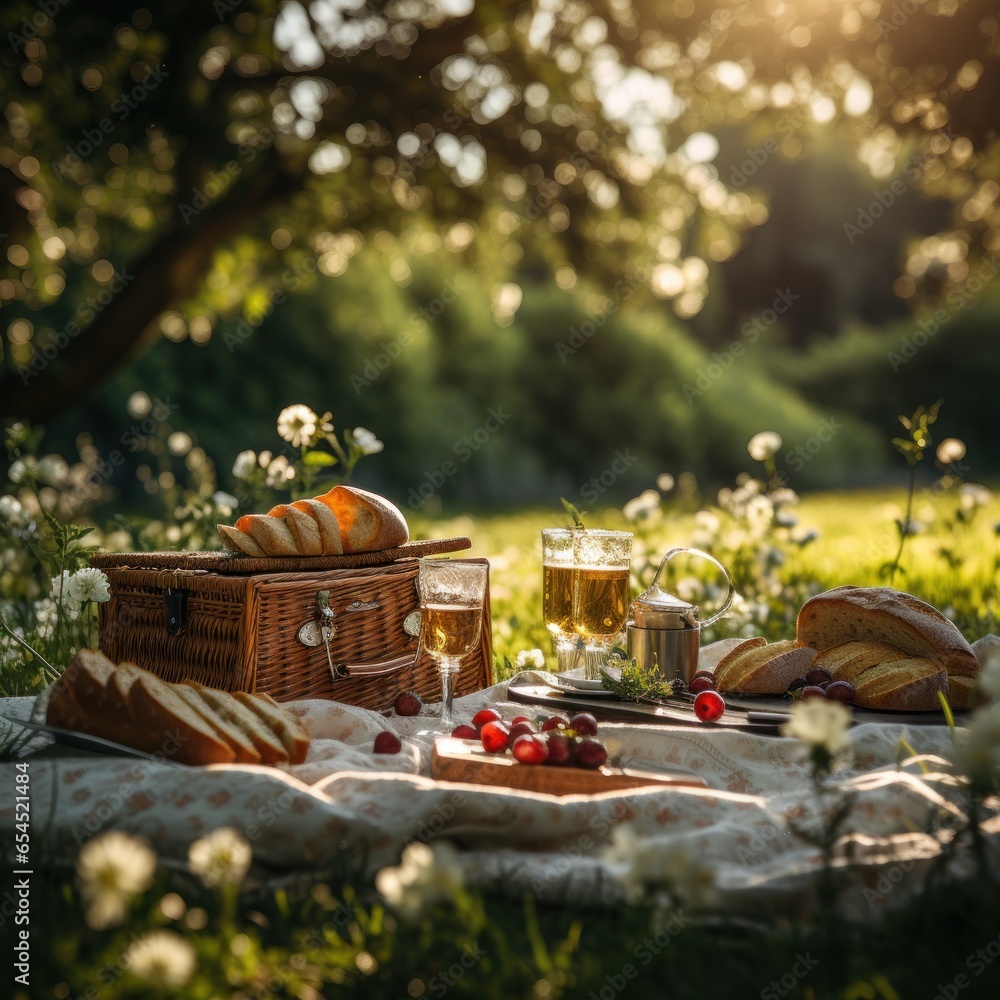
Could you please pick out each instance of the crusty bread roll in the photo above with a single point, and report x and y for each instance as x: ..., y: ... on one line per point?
x: 191, y: 724
x: 344, y: 520
x: 879, y: 614
x: 875, y: 626
x: 754, y: 667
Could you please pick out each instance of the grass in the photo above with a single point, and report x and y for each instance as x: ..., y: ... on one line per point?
x: 857, y: 537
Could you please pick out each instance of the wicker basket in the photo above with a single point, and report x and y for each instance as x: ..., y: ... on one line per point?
x: 348, y: 634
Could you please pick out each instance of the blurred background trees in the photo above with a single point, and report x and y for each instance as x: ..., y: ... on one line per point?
x: 411, y: 212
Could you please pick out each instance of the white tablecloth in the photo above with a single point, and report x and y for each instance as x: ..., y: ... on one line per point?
x: 353, y: 811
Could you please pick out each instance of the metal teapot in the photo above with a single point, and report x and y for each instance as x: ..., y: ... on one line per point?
x: 664, y: 632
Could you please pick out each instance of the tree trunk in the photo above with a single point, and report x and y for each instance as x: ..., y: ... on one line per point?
x: 171, y: 271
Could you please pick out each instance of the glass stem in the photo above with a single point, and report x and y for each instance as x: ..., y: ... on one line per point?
x: 450, y: 667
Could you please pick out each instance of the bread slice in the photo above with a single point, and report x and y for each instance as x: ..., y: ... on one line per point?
x: 764, y: 669
x: 63, y: 709
x: 329, y: 529
x: 245, y: 749
x: 267, y: 744
x: 88, y: 676
x: 879, y: 614
x: 292, y: 735
x: 962, y: 692
x: 171, y: 726
x: 272, y: 534
x: 848, y: 660
x: 239, y: 541
x: 368, y: 522
x: 907, y: 685
x: 304, y: 530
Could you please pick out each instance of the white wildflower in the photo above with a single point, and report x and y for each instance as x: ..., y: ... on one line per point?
x: 978, y: 751
x: 823, y: 726
x: 972, y: 495
x: 10, y: 507
x: 764, y: 445
x: 279, y: 471
x: 642, y: 506
x: 665, y: 482
x: 17, y: 471
x: 221, y: 858
x: 111, y: 869
x: 225, y: 502
x: 244, y: 464
x: 426, y: 874
x: 297, y: 425
x: 162, y: 958
x: 179, y: 443
x: 89, y: 585
x: 784, y: 497
x: 950, y: 450
x: 59, y: 589
x: 530, y: 659
x: 644, y: 863
x: 53, y: 469
x: 366, y: 441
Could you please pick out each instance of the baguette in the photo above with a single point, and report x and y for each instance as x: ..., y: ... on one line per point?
x: 187, y: 722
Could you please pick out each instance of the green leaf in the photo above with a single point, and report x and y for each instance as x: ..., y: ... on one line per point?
x: 574, y: 512
x: 946, y: 708
x: 318, y: 459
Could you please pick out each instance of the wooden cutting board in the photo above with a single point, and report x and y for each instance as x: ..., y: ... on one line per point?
x: 466, y: 761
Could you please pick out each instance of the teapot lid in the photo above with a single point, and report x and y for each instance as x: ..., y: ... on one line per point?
x: 655, y: 608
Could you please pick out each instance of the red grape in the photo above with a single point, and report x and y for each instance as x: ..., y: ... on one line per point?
x: 559, y: 746
x: 813, y: 691
x: 555, y: 722
x: 817, y: 675
x: 704, y: 673
x: 520, y: 729
x: 521, y: 718
x: 386, y: 742
x: 483, y: 716
x: 583, y: 724
x: 465, y: 732
x: 590, y: 753
x: 494, y: 737
x: 530, y: 749
x: 842, y: 691
x: 701, y: 684
x: 709, y: 706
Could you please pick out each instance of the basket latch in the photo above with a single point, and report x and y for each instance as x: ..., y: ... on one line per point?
x: 175, y: 610
x: 319, y: 633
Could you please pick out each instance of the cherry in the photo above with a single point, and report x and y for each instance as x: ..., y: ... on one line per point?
x: 520, y: 729
x: 590, y: 753
x: 494, y: 736
x: 555, y: 722
x: 842, y: 691
x: 521, y: 718
x: 531, y: 749
x: 701, y: 684
x: 817, y: 675
x: 583, y: 724
x: 812, y: 691
x: 465, y: 732
x: 559, y: 746
x: 408, y: 703
x: 483, y: 716
x: 386, y: 742
x: 709, y: 706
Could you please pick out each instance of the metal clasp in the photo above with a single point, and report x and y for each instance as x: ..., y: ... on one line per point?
x: 321, y: 631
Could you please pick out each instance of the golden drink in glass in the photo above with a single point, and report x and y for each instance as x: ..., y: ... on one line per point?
x: 601, y: 562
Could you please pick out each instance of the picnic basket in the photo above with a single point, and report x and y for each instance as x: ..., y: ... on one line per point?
x: 344, y: 628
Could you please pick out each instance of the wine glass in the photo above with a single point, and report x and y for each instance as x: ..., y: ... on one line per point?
x: 600, y: 591
x: 557, y: 593
x: 451, y: 616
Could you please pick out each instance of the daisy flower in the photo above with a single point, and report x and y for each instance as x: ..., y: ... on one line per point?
x: 221, y: 858
x: 764, y: 445
x: 297, y: 425
x: 111, y: 869
x: 425, y: 875
x: 367, y: 442
x: 161, y: 957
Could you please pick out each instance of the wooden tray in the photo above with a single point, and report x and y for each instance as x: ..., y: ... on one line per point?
x: 233, y: 562
x: 467, y: 761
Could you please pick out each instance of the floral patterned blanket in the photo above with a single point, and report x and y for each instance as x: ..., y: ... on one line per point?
x: 747, y: 841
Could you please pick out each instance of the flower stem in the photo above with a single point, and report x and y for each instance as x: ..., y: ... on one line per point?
x: 904, y: 531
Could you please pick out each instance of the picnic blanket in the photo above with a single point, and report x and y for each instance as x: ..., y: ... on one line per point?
x: 348, y: 809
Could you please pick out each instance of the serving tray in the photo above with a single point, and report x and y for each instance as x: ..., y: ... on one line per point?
x: 241, y: 565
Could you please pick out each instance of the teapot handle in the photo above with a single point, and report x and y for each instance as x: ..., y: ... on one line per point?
x: 715, y: 562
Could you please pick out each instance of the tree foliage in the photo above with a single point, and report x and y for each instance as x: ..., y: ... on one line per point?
x: 163, y: 170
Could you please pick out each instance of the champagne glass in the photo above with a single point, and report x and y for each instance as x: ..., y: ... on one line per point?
x: 600, y: 591
x: 557, y: 593
x: 451, y: 616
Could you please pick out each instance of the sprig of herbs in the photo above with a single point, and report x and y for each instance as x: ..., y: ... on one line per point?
x: 574, y: 512
x: 636, y: 683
